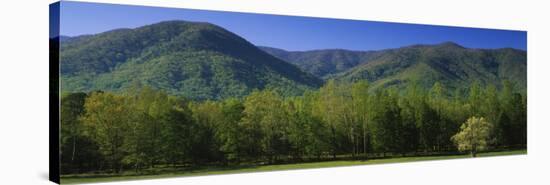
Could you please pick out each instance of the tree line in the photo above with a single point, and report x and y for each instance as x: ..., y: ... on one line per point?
x: 142, y: 128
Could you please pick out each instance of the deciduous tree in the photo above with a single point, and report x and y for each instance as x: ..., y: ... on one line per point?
x: 474, y: 135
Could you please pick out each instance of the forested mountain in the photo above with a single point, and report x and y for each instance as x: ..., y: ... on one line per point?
x: 133, y: 102
x: 195, y: 60
x: 323, y: 63
x: 454, y: 66
x: 449, y: 63
x: 205, y: 61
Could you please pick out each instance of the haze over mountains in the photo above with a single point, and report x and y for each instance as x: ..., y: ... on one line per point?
x: 205, y: 61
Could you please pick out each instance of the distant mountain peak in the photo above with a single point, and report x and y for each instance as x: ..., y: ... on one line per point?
x: 447, y: 44
x: 450, y: 44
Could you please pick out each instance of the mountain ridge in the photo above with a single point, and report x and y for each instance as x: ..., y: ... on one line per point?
x: 204, y: 61
x: 389, y: 67
x: 197, y: 60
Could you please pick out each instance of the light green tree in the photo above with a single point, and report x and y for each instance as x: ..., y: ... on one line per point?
x: 229, y: 131
x: 360, y: 96
x: 474, y: 135
x: 107, y: 121
x: 333, y: 107
x: 264, y: 111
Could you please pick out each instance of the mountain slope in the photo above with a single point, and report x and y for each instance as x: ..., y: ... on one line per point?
x: 449, y: 63
x: 323, y: 63
x: 196, y: 60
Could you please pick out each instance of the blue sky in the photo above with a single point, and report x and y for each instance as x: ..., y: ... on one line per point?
x: 286, y: 32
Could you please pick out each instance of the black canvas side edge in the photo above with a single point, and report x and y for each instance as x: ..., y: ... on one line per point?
x: 54, y: 92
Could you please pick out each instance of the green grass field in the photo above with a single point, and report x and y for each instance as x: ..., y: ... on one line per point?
x: 263, y: 168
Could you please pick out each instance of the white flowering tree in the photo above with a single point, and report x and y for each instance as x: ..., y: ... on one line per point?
x: 474, y: 135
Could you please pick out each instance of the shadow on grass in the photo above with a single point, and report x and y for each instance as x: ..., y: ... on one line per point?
x: 156, y: 173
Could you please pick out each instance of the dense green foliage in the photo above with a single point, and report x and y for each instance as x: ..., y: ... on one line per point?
x: 448, y: 63
x: 142, y: 128
x: 195, y: 60
x: 189, y: 95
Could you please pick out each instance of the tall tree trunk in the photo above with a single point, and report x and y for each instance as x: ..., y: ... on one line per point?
x: 333, y: 141
x: 113, y: 157
x: 352, y: 143
x: 74, y: 149
x: 364, y: 141
x: 357, y: 145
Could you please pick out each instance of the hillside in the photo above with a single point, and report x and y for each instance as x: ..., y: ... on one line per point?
x: 196, y: 60
x: 449, y: 63
x: 323, y: 63
x: 205, y: 61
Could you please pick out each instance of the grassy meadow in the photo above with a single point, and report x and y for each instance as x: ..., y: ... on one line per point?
x: 217, y: 170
